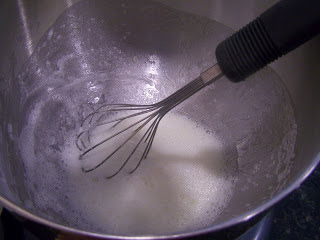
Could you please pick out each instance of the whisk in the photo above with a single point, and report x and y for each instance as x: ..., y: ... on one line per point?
x: 152, y: 115
x: 245, y: 52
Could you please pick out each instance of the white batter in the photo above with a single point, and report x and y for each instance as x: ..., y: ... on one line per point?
x: 181, y: 185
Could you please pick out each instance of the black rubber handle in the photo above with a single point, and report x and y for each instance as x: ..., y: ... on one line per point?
x: 280, y: 29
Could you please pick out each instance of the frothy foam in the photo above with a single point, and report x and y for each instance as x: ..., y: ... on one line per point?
x: 179, y: 186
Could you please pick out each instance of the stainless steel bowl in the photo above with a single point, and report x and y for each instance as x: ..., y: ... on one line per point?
x: 36, y: 35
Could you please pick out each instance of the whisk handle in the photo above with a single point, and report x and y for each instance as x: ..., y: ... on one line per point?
x: 280, y: 29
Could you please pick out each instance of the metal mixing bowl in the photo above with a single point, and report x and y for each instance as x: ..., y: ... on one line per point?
x: 57, y: 55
